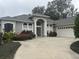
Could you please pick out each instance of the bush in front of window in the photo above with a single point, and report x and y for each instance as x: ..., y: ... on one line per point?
x: 52, y: 34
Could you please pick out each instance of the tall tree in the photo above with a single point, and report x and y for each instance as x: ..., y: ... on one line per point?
x: 76, y: 27
x: 58, y: 9
x: 38, y: 10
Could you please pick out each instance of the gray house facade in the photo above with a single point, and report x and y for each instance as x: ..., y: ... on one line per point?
x: 39, y: 24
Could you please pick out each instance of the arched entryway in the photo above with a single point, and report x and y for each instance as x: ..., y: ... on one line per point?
x: 40, y: 27
x: 8, y: 27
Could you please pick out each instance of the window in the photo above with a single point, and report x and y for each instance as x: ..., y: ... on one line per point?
x: 25, y: 24
x: 64, y: 27
x: 47, y: 25
x: 30, y: 24
x: 71, y: 27
x: 50, y: 25
x: 68, y: 27
x: 58, y: 27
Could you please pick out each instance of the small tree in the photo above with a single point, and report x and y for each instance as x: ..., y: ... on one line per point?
x: 1, y: 38
x: 38, y: 10
x: 76, y: 27
x: 8, y: 36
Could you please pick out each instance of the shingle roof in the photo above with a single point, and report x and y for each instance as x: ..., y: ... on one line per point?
x: 40, y: 15
x: 26, y: 18
x: 21, y: 18
x: 50, y: 21
x: 67, y: 21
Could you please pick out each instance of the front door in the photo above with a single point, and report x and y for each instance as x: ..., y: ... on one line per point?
x: 8, y: 27
x: 40, y: 27
x: 39, y: 31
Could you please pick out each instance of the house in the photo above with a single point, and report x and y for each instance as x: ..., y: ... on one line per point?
x: 39, y: 24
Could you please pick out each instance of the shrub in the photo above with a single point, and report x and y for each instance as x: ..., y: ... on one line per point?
x: 76, y: 27
x: 32, y: 35
x: 52, y: 34
x: 75, y: 47
x: 1, y: 37
x: 7, y: 36
x: 25, y: 35
x: 23, y: 32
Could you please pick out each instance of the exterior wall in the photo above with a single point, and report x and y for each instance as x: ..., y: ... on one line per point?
x: 4, y: 22
x: 65, y: 32
x: 18, y: 27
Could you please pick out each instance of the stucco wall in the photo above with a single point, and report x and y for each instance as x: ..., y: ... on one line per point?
x: 18, y: 27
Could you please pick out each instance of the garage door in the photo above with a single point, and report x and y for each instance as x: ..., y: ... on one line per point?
x: 65, y: 32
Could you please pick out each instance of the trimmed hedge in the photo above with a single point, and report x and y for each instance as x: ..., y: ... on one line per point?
x: 25, y: 35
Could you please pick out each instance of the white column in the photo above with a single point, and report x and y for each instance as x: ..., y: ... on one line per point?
x: 22, y: 27
x: 27, y: 26
x: 14, y: 26
x: 32, y: 27
x: 45, y: 28
x: 35, y: 31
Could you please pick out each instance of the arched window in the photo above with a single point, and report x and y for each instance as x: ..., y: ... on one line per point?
x: 8, y: 27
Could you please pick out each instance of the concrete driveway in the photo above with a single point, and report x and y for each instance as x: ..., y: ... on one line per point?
x: 46, y: 48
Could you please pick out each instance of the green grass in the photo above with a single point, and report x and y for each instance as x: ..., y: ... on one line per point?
x: 75, y: 47
x: 7, y: 51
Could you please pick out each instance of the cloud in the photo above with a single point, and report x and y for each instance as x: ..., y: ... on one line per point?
x: 76, y: 3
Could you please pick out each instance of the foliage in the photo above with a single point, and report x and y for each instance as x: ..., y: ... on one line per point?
x: 72, y: 10
x: 53, y: 14
x: 8, y: 36
x: 52, y: 34
x: 25, y: 35
x: 38, y: 10
x: 75, y: 47
x: 60, y: 9
x: 1, y: 39
x: 8, y: 50
x: 76, y: 27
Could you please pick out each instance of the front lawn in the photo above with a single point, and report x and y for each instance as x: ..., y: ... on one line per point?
x: 8, y: 50
x: 75, y: 47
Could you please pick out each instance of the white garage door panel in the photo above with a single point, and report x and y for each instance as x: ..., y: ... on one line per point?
x: 65, y: 32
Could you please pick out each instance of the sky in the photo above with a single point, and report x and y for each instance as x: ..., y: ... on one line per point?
x: 18, y: 7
